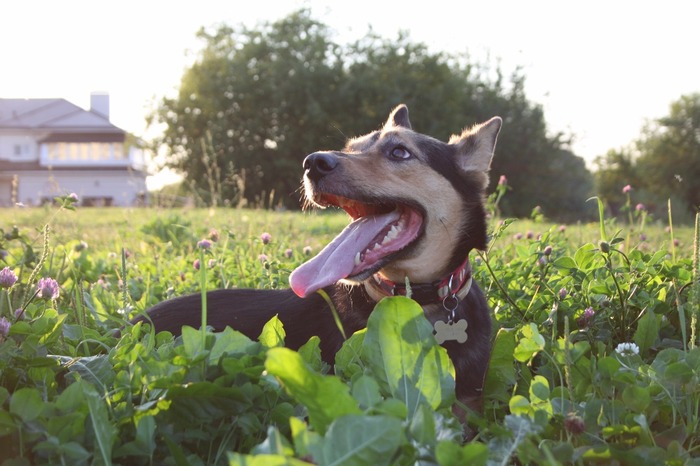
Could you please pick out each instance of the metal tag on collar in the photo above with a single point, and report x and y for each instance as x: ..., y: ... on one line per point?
x: 451, y: 330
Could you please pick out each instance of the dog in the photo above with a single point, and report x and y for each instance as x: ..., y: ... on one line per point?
x: 417, y: 209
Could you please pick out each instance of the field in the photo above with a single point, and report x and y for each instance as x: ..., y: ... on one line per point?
x: 594, y: 360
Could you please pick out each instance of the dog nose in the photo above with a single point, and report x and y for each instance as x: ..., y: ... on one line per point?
x: 319, y: 164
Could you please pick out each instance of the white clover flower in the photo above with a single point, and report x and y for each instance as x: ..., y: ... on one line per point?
x: 627, y: 349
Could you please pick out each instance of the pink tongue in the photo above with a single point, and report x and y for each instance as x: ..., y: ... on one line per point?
x: 337, y: 260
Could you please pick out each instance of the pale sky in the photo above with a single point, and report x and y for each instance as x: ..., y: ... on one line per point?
x: 601, y: 69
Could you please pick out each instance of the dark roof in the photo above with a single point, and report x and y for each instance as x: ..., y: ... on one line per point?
x: 53, y: 115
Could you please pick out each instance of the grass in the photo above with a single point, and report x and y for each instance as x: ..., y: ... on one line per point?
x: 594, y: 360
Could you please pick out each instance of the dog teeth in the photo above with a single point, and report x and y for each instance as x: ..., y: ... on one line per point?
x: 357, y: 259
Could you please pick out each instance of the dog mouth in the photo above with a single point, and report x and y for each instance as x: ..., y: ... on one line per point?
x: 379, y: 232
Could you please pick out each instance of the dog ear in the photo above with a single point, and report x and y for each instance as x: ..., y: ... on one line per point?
x: 398, y: 117
x: 475, y: 146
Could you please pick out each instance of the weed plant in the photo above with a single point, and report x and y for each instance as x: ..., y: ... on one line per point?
x: 595, y: 356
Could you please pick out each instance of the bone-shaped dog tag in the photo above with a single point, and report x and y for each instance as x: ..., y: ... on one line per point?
x: 456, y: 331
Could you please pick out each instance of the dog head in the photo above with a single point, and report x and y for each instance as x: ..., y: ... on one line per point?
x: 417, y: 203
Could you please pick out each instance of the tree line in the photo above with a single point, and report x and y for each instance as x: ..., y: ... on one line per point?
x: 662, y: 164
x: 258, y: 100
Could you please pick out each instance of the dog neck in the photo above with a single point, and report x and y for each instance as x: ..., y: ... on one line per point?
x: 456, y: 285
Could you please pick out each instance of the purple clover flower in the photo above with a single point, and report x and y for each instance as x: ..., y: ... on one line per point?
x: 288, y: 253
x: 7, y: 277
x: 563, y: 293
x: 48, y: 288
x: 503, y: 181
x: 4, y: 327
x: 266, y: 238
x: 586, y: 318
x: 640, y: 207
x: 204, y: 244
x: 214, y: 235
x: 626, y: 189
x: 548, y: 251
x: 196, y: 264
x: 263, y: 258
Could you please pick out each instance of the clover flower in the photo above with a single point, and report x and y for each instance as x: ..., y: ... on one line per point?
x: 627, y: 349
x: 574, y: 424
x: 307, y: 250
x: 48, y: 288
x: 7, y: 277
x: 214, y: 235
x: 196, y: 264
x: 640, y: 207
x: 288, y: 253
x: 626, y: 189
x: 4, y: 327
x: 562, y: 228
x: 73, y: 197
x: 263, y: 258
x: 586, y: 318
x: 265, y: 238
x: 563, y: 293
x: 502, y: 181
x: 548, y: 251
x: 204, y: 244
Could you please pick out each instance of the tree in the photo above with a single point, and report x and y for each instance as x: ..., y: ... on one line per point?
x: 663, y: 163
x: 256, y: 102
x: 250, y: 109
x: 669, y: 161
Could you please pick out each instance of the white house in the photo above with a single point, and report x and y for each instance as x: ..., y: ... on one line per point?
x: 51, y: 147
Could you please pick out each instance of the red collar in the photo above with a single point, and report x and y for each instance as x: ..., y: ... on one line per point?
x: 426, y: 293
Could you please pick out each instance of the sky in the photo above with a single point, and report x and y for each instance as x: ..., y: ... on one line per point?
x: 600, y: 69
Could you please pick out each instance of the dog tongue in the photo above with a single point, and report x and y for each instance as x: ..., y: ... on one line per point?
x: 337, y: 260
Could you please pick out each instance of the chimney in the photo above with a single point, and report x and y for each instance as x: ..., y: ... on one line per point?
x: 99, y: 103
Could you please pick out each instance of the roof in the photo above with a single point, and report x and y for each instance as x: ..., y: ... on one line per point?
x: 52, y: 114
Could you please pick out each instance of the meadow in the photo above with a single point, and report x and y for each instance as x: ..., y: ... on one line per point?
x: 595, y: 356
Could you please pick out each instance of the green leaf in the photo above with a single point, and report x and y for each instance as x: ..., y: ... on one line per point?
x: 404, y: 355
x: 325, y: 397
x: 637, y: 399
x: 530, y: 343
x: 97, y: 370
x: 273, y: 333
x: 192, y: 343
x: 519, y: 405
x: 228, y: 342
x: 360, y: 441
x: 236, y: 459
x: 26, y: 403
x: 422, y: 426
x: 450, y: 453
x: 500, y: 376
x: 102, y: 427
x: 274, y: 444
x: 647, y: 332
x: 565, y: 264
x: 366, y: 391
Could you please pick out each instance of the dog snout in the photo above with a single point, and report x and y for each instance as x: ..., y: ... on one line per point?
x: 320, y: 164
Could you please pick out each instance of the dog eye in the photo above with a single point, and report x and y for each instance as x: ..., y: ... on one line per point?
x: 400, y: 153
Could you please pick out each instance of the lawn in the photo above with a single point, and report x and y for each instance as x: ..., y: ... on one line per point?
x: 594, y: 358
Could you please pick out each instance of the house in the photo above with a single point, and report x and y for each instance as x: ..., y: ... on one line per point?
x: 51, y: 147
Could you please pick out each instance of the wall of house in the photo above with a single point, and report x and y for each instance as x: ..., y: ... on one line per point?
x: 103, y: 187
x: 18, y: 147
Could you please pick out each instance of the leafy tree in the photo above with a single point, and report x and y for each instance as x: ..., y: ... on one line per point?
x: 256, y: 102
x: 251, y: 108
x: 664, y: 163
x: 669, y: 161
